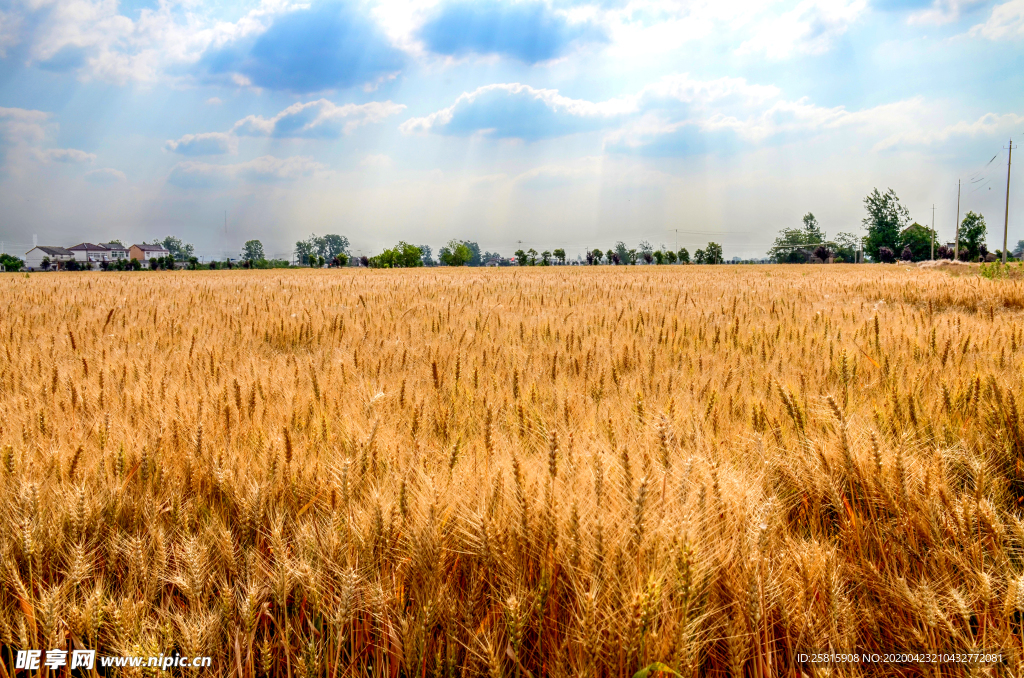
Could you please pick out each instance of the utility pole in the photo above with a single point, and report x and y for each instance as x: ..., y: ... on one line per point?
x: 956, y: 245
x: 1006, y: 219
x: 933, y: 231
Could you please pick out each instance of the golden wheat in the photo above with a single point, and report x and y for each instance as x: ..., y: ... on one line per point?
x: 508, y: 472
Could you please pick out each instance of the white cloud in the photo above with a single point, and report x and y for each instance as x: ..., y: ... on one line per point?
x: 67, y: 155
x: 107, y: 45
x: 376, y: 161
x: 942, y: 12
x: 20, y: 126
x: 812, y: 27
x: 107, y: 175
x: 321, y: 118
x: 214, y: 101
x: 1005, y: 23
x: 550, y: 97
x: 262, y: 169
x: 989, y: 125
x: 211, y: 143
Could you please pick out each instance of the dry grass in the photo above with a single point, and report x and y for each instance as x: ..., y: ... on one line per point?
x: 489, y: 472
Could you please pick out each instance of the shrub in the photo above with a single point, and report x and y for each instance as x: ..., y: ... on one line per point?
x: 822, y: 252
x: 907, y: 254
x: 886, y: 255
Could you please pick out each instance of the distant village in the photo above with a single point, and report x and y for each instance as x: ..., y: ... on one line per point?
x: 87, y: 255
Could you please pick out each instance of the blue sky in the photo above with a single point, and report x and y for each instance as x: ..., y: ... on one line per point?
x: 560, y: 123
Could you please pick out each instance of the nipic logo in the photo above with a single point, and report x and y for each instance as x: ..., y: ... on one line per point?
x: 32, y: 660
x: 55, y: 659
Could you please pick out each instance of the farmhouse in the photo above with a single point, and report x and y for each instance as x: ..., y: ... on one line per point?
x: 146, y: 252
x: 55, y: 256
x: 87, y: 251
x: 117, y: 250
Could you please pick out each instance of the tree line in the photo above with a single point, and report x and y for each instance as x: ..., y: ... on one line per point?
x: 890, y: 237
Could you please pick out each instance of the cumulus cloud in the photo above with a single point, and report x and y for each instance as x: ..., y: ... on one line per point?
x: 211, y: 143
x: 528, y: 31
x: 812, y: 27
x: 20, y: 125
x: 989, y: 125
x: 317, y: 119
x: 324, y: 46
x: 514, y: 110
x: 194, y: 174
x: 67, y: 155
x: 92, y: 38
x: 1005, y: 23
x: 107, y: 175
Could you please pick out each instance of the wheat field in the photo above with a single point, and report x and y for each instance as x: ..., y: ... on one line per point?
x: 545, y: 472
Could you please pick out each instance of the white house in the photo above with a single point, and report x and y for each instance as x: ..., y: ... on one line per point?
x: 117, y: 250
x: 87, y: 251
x: 55, y: 255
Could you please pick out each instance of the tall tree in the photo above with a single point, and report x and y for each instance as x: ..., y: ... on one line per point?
x: 325, y: 246
x: 181, y: 251
x: 973, y: 233
x: 622, y: 251
x: 455, y: 253
x: 713, y: 253
x: 252, y: 250
x: 560, y: 255
x: 885, y: 220
x: 474, y: 253
x: 427, y: 255
x: 521, y: 258
x: 918, y: 239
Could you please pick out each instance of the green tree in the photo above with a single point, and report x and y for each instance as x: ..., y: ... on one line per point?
x: 1018, y: 251
x: 713, y: 253
x: 973, y: 234
x: 325, y: 246
x: 885, y: 220
x: 846, y: 247
x: 659, y: 257
x: 474, y: 253
x: 427, y: 255
x: 609, y: 256
x: 181, y: 251
x: 790, y: 242
x: 622, y: 251
x: 597, y: 256
x: 812, y: 231
x: 193, y: 263
x: 560, y: 255
x: 521, y: 258
x: 919, y: 239
x: 455, y: 253
x: 11, y: 263
x: 684, y: 256
x: 252, y: 250
x: 670, y: 256
x: 699, y: 258
x: 532, y: 256
x: 545, y: 258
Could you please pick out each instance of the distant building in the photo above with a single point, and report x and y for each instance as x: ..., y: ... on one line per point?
x: 87, y: 251
x: 117, y: 250
x: 57, y: 256
x: 146, y: 252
